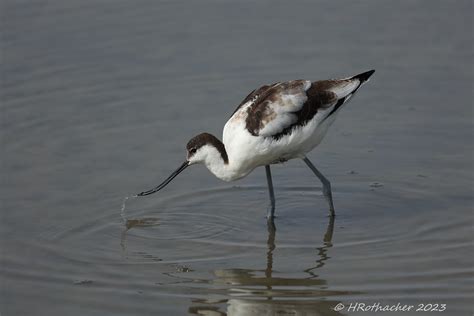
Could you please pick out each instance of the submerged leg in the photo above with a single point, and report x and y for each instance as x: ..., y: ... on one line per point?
x: 326, y: 185
x: 271, y: 209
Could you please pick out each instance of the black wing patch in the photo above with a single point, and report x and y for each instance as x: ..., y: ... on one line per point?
x: 276, y: 109
x: 316, y: 100
x: 260, y: 113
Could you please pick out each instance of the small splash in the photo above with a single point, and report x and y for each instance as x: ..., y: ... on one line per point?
x: 122, y: 210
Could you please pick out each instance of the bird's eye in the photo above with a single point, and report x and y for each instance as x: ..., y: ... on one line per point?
x: 193, y: 150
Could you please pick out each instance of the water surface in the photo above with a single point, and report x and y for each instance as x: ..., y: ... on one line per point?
x: 98, y: 100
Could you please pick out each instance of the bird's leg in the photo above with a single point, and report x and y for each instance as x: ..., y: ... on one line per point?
x: 326, y: 185
x: 271, y: 209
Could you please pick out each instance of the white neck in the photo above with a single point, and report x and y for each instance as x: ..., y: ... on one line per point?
x: 216, y: 164
x: 211, y: 157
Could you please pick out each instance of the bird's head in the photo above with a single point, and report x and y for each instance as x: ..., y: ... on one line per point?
x: 203, y: 148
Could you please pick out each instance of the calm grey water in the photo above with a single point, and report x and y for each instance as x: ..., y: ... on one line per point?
x: 99, y: 98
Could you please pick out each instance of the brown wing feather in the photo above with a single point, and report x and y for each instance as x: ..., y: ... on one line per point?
x: 317, y: 100
x: 257, y: 93
x: 260, y: 113
x: 287, y: 115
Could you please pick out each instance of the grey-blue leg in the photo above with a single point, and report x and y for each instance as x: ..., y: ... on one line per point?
x: 271, y: 208
x: 326, y: 185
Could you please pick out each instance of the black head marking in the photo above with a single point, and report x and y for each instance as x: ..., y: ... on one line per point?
x: 206, y: 139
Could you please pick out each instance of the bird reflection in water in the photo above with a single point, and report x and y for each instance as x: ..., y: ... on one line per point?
x: 258, y: 293
x: 136, y: 223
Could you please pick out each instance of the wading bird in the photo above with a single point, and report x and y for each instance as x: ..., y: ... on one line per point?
x: 273, y: 124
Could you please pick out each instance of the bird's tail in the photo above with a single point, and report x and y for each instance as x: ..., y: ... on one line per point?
x: 346, y: 88
x: 363, y: 77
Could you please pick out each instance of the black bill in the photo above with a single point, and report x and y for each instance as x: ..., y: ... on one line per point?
x: 162, y: 185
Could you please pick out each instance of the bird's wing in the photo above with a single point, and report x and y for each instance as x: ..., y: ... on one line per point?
x: 252, y: 96
x: 274, y: 110
x: 280, y: 107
